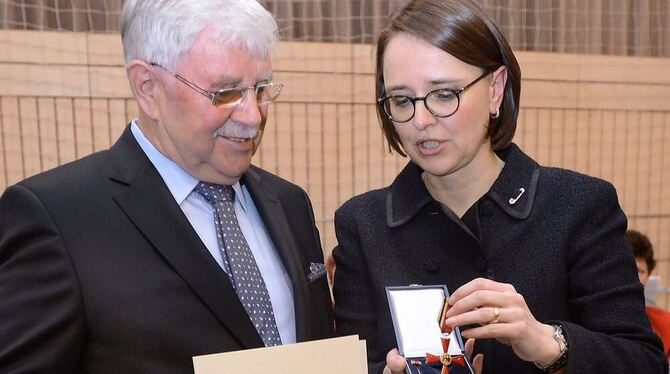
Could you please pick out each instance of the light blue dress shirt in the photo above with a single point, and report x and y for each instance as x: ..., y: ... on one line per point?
x: 200, y: 214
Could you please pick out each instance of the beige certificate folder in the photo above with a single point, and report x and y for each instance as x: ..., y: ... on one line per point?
x: 328, y: 356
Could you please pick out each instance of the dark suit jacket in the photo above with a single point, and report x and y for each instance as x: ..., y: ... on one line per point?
x: 561, y: 245
x: 101, y: 272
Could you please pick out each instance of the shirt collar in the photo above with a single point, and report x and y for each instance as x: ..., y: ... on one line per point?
x: 407, y: 194
x: 178, y: 181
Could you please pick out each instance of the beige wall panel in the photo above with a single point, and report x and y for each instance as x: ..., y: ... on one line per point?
x: 557, y: 138
x: 378, y: 151
x: 363, y: 90
x: 330, y: 177
x: 659, y: 147
x: 361, y: 148
x: 104, y: 49
x: 315, y: 87
x: 109, y: 82
x: 30, y: 136
x: 345, y: 128
x: 67, y: 150
x: 363, y: 59
x: 11, y: 127
x: 391, y: 168
x: 132, y: 110
x: 43, y: 80
x: 313, y: 57
x: 596, y: 147
x: 315, y: 157
x: 608, y: 146
x: 643, y: 167
x: 541, y: 66
x: 83, y: 133
x: 100, y: 125
x: 42, y: 47
x: 583, y: 141
x: 117, y: 118
x: 284, y: 140
x: 570, y: 128
x: 593, y: 68
x: 631, y: 161
x: 543, y: 94
x: 618, y: 157
x: 601, y: 68
x: 266, y: 156
x: 623, y: 96
x: 520, y: 134
x: 529, y: 126
x: 545, y: 132
x: 48, y: 133
x: 299, y: 144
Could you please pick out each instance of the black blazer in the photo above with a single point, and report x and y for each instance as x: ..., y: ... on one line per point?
x: 101, y: 272
x: 560, y: 244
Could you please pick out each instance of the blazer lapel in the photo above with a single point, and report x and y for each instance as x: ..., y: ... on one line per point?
x: 149, y: 205
x: 276, y: 223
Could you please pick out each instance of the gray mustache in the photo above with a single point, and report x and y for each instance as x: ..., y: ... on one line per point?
x: 234, y: 129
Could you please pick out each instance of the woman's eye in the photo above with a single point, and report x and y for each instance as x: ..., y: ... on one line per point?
x: 443, y: 95
x: 400, y: 101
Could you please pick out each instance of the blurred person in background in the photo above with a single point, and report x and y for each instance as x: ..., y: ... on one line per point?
x: 644, y: 258
x: 534, y: 257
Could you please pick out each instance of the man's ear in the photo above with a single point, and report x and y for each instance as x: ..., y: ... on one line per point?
x: 498, y: 88
x: 144, y: 86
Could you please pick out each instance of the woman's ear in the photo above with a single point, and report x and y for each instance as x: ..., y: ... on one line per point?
x: 497, y: 89
x: 144, y: 86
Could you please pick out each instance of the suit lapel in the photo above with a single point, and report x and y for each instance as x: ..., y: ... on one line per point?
x: 149, y: 205
x: 276, y: 223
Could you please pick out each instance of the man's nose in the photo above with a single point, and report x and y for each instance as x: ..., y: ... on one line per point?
x: 248, y: 111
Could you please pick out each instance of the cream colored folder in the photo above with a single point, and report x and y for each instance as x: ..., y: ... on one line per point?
x: 328, y: 356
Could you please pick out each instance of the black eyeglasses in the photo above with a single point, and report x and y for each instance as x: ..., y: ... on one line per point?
x: 266, y: 92
x: 441, y: 103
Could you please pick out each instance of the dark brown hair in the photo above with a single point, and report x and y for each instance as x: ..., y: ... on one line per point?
x: 462, y: 29
x: 642, y: 248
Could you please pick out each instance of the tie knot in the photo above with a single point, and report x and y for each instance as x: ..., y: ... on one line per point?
x: 214, y: 193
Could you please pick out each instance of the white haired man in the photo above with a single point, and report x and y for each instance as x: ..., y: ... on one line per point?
x: 169, y: 244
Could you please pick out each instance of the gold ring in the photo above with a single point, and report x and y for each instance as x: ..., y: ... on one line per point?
x: 496, y: 315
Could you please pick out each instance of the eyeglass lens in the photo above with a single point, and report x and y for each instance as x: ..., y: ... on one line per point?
x: 441, y: 103
x: 265, y: 93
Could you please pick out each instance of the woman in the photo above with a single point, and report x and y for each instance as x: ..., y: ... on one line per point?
x: 534, y: 257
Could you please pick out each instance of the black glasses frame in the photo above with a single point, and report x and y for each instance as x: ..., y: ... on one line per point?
x: 214, y: 95
x: 457, y: 92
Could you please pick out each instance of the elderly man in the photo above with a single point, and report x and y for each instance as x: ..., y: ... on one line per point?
x: 169, y: 244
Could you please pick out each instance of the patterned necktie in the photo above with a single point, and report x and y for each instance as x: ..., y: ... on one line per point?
x: 239, y: 262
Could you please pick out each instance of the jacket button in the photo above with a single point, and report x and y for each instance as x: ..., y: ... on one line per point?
x: 481, y: 264
x: 486, y: 208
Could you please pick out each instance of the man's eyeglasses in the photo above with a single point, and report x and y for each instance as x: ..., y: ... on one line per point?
x: 266, y: 92
x: 441, y: 103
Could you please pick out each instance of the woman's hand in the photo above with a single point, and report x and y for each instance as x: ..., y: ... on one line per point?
x: 502, y: 313
x: 395, y: 363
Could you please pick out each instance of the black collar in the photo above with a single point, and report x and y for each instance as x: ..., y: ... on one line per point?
x: 514, y: 189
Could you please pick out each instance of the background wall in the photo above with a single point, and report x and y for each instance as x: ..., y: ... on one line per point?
x: 65, y: 95
x: 612, y: 27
